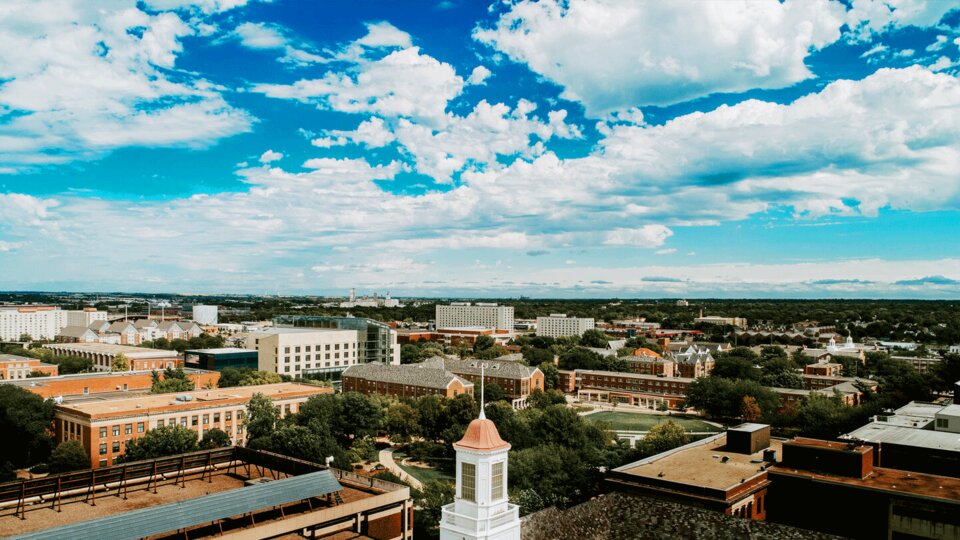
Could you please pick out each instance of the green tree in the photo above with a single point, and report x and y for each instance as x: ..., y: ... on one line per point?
x: 402, y: 421
x: 25, y: 420
x: 303, y: 443
x: 68, y: 365
x: 173, y: 380
x: 409, y: 354
x: 215, y: 438
x: 535, y: 357
x: 551, y: 375
x: 256, y: 378
x: 230, y: 377
x: 262, y: 417
x: 482, y: 343
x: 160, y: 442
x: 69, y: 456
x: 594, y: 338
x: 363, y: 449
x: 358, y: 415
x: 739, y: 363
x: 430, y: 501
x: 663, y: 437
x: 120, y: 363
x: 947, y: 372
x: 37, y: 374
x: 493, y: 392
x: 580, y: 358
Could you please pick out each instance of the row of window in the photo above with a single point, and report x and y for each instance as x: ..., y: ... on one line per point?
x: 468, y: 482
x: 326, y: 347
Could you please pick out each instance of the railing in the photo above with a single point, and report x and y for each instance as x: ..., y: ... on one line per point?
x: 449, y: 517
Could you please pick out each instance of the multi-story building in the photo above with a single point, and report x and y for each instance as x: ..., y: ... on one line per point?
x: 413, y: 380
x: 222, y: 358
x: 85, y: 316
x: 923, y: 364
x: 13, y: 367
x: 103, y: 354
x: 179, y: 330
x: 825, y: 369
x: 465, y: 314
x: 559, y: 325
x: 517, y: 380
x: 101, y: 383
x: 739, y: 322
x: 746, y: 473
x: 104, y: 427
x: 695, y: 361
x: 299, y: 352
x: 378, y: 342
x: 650, y: 391
x: 649, y: 362
x: 40, y: 322
x: 205, y: 314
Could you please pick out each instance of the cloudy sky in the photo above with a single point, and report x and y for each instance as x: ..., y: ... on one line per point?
x: 593, y: 148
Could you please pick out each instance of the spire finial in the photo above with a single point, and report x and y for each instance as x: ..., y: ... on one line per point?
x: 483, y: 415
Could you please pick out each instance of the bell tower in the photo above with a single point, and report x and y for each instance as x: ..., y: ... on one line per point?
x: 481, y: 509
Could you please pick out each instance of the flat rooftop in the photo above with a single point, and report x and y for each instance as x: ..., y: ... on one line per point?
x: 112, y: 349
x: 45, y: 381
x: 282, y: 330
x: 883, y: 432
x: 200, y: 399
x: 16, y: 358
x: 701, y: 464
x: 913, y: 483
x: 920, y: 408
x: 221, y: 350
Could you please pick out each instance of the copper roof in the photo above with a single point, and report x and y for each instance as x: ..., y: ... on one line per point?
x: 482, y: 434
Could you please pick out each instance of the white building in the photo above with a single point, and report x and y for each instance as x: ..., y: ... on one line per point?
x: 85, y: 317
x: 486, y: 315
x: 481, y: 509
x: 559, y: 325
x: 40, y: 322
x: 205, y: 314
x: 376, y: 301
x: 739, y: 322
x: 300, y: 351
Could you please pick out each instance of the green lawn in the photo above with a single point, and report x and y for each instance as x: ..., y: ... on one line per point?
x: 426, y: 474
x: 623, y: 421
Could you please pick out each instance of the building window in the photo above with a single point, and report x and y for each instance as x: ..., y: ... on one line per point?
x: 496, y: 485
x: 116, y: 431
x: 103, y: 448
x: 86, y: 390
x: 139, y: 427
x: 116, y: 446
x: 206, y: 419
x: 103, y: 463
x: 943, y: 423
x: 128, y: 429
x: 468, y: 482
x: 160, y: 423
x: 103, y: 433
x: 229, y: 416
x: 193, y: 420
x: 216, y: 418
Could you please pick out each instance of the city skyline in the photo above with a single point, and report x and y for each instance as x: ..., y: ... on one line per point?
x: 453, y: 148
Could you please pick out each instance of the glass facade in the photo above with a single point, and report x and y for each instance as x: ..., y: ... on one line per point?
x: 373, y: 336
x: 216, y: 361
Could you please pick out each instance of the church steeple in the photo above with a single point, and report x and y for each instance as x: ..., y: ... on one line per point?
x: 481, y: 509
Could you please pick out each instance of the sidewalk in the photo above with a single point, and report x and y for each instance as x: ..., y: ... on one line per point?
x: 386, y: 459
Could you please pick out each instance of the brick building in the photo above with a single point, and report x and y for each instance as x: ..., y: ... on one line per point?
x: 647, y: 362
x: 695, y: 361
x: 824, y: 369
x: 649, y: 391
x: 103, y: 382
x: 745, y: 473
x: 13, y: 367
x: 517, y: 380
x: 102, y: 355
x: 105, y: 426
x: 412, y: 380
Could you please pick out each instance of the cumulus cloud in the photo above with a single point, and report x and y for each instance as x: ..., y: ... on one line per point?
x: 868, y: 17
x: 631, y: 52
x: 79, y: 81
x: 478, y: 76
x: 648, y: 236
x: 264, y: 36
x: 270, y: 156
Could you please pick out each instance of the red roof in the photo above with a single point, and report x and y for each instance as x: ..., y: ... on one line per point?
x: 482, y: 434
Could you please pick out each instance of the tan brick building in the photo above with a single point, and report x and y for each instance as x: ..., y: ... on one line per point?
x: 13, y: 367
x: 105, y: 426
x: 101, y: 382
x: 102, y: 355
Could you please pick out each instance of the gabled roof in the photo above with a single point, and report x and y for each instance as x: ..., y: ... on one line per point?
x: 408, y: 374
x: 99, y: 326
x: 146, y: 323
x: 505, y: 369
x: 121, y: 327
x: 76, y: 331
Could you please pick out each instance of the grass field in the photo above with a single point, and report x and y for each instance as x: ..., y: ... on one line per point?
x: 622, y: 421
x: 426, y: 474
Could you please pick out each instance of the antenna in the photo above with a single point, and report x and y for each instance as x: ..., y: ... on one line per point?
x: 483, y: 415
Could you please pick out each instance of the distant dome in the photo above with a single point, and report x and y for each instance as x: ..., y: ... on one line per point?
x: 482, y: 434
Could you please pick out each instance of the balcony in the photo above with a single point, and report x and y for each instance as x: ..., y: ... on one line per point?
x: 460, y: 521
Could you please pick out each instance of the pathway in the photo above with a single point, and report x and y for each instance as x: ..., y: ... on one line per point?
x: 386, y: 459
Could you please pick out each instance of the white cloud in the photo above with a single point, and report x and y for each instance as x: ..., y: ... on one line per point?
x: 80, y: 82
x: 478, y: 76
x: 647, y: 52
x: 942, y: 63
x: 270, y: 156
x: 372, y: 133
x: 648, y: 236
x: 403, y: 83
x: 264, y: 36
x: 666, y: 251
x: 206, y: 6
x: 873, y: 16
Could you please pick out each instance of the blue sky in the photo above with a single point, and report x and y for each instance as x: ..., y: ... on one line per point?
x: 582, y: 148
